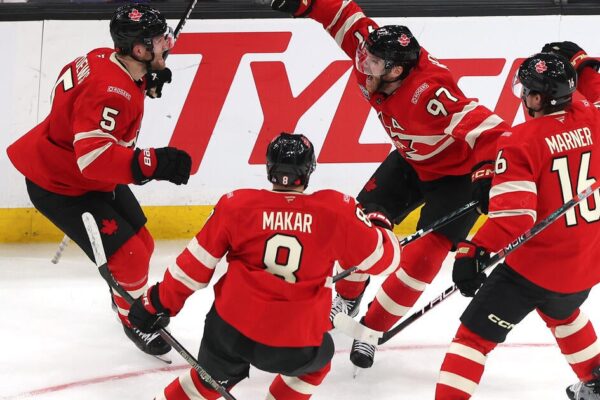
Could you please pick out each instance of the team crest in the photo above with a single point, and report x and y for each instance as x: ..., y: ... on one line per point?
x: 404, y: 40
x: 541, y: 67
x: 135, y: 15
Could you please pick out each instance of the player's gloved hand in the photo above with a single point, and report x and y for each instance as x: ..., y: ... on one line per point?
x: 572, y: 52
x: 297, y: 8
x: 481, y: 183
x: 155, y: 80
x: 163, y: 164
x: 147, y: 313
x: 378, y: 216
x: 469, y: 263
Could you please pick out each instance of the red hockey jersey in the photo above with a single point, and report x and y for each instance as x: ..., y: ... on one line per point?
x: 435, y: 127
x: 281, y: 248
x: 86, y: 142
x: 540, y: 165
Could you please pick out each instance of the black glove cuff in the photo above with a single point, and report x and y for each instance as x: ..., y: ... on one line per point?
x: 155, y: 300
x: 136, y: 171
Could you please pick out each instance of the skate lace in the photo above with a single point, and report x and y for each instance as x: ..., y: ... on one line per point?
x: 364, y: 348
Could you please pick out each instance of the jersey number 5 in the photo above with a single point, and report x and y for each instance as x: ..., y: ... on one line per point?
x: 282, y: 256
x: 561, y: 166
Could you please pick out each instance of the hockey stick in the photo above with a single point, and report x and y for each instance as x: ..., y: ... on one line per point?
x: 184, y: 19
x: 537, y: 228
x: 421, y: 232
x: 99, y: 255
x: 61, y: 247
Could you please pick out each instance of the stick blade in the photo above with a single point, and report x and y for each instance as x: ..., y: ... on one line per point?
x: 95, y: 240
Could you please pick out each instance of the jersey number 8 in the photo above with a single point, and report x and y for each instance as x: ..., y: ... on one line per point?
x: 282, y: 256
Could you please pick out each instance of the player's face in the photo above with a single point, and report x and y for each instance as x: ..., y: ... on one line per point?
x: 162, y: 44
x: 368, y: 63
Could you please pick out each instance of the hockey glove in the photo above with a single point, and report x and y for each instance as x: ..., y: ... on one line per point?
x: 378, y: 216
x: 469, y: 263
x: 147, y: 313
x: 163, y: 164
x: 572, y: 52
x: 481, y: 183
x: 297, y: 8
x: 155, y: 80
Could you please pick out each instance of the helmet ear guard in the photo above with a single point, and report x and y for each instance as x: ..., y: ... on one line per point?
x: 290, y: 160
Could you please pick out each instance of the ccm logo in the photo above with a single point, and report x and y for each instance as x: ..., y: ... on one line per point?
x: 500, y: 322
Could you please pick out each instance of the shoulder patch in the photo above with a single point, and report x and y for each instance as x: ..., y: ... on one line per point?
x: 418, y: 93
x: 117, y: 90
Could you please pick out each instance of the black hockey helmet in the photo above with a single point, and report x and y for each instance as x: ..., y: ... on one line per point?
x: 395, y: 44
x: 136, y: 23
x: 550, y: 75
x: 290, y: 160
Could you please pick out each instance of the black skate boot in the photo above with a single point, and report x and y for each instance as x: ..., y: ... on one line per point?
x: 149, y: 343
x: 346, y: 306
x: 362, y: 354
x: 586, y: 390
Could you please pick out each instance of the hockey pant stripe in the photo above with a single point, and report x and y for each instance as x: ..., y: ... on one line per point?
x: 297, y: 388
x: 129, y: 265
x: 463, y: 366
x: 420, y: 263
x: 578, y: 342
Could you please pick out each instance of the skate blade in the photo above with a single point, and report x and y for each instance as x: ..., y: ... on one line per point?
x: 356, y: 371
x: 164, y: 358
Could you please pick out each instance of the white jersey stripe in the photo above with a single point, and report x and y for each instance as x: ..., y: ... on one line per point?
x: 467, y: 352
x: 513, y: 213
x: 513, y: 186
x: 489, y: 123
x: 458, y: 117
x: 179, y: 275
x: 88, y: 158
x: 563, y: 331
x: 298, y: 385
x: 409, y: 281
x: 457, y: 382
x: 339, y: 36
x: 201, y: 254
x: 96, y: 133
x: 390, y: 305
x: 374, y: 256
x: 583, y: 355
x: 396, y: 257
x: 337, y: 15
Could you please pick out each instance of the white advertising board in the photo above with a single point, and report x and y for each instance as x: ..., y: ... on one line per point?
x: 236, y: 83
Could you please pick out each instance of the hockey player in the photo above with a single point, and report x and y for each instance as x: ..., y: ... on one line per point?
x: 541, y: 164
x: 82, y: 156
x: 445, y: 146
x: 271, y: 308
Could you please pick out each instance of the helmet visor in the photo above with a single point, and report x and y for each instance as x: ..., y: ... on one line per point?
x: 368, y: 63
x: 164, y: 42
x: 518, y: 89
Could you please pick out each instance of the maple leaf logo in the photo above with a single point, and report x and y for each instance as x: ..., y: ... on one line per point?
x: 371, y: 185
x: 135, y: 15
x: 109, y: 226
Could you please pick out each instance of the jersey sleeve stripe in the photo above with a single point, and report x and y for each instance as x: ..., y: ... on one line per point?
x: 458, y: 117
x: 337, y: 16
x: 201, y: 254
x: 180, y: 276
x: 88, y: 158
x: 467, y: 352
x: 396, y: 257
x: 298, y: 385
x: 374, y: 256
x: 513, y: 213
x: 490, y: 122
x: 513, y: 186
x: 410, y: 281
x: 457, y: 382
x: 339, y: 36
x: 96, y: 133
x: 563, y: 331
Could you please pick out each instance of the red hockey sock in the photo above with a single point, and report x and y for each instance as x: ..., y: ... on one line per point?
x: 129, y: 265
x: 188, y: 386
x: 578, y: 342
x: 297, y: 388
x: 421, y: 261
x: 463, y: 365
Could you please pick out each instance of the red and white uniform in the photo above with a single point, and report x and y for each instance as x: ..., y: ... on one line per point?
x: 435, y: 127
x: 542, y: 164
x: 281, y: 248
x: 86, y: 142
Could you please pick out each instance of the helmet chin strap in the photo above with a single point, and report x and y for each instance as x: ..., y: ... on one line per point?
x: 530, y: 110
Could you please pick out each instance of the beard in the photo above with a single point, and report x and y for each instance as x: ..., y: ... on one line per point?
x: 374, y: 84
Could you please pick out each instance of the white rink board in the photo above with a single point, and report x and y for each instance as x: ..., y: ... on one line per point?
x: 33, y: 61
